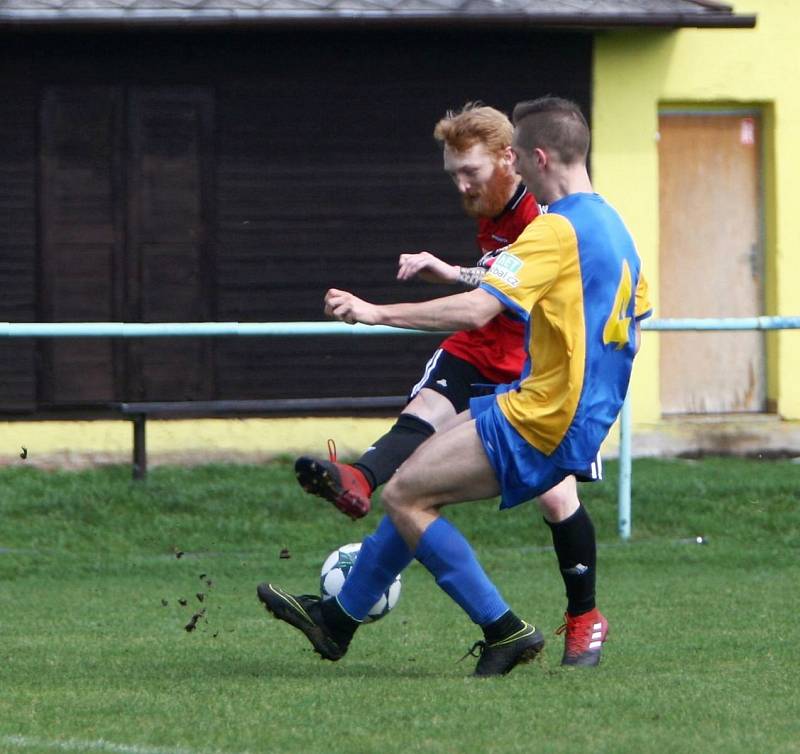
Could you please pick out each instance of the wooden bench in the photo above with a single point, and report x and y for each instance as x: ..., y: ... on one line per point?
x: 139, y: 412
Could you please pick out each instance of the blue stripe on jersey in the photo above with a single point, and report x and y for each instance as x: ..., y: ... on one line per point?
x: 603, y: 243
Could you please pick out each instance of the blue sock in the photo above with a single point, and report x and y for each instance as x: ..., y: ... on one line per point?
x: 383, y: 555
x: 443, y: 550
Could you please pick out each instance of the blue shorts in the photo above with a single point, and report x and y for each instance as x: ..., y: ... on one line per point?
x: 522, y: 471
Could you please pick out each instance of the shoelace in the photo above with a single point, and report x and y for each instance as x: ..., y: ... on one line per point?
x: 574, y: 633
x: 476, y: 650
x: 345, y: 494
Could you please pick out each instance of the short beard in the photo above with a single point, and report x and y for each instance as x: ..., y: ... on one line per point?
x: 493, y: 199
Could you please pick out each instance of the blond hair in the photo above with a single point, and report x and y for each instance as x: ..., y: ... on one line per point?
x: 475, y: 123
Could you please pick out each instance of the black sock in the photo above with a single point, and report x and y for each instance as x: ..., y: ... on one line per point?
x: 574, y: 543
x: 504, y: 626
x: 385, y: 456
x: 338, y: 622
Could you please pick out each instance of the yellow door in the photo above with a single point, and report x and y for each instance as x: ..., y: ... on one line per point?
x: 710, y: 260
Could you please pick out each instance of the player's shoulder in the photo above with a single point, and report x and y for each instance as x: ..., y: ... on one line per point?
x: 548, y: 229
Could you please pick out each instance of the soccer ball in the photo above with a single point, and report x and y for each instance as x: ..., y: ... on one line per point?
x: 334, y: 571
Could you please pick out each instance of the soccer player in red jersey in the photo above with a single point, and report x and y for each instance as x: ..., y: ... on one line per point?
x: 476, y: 144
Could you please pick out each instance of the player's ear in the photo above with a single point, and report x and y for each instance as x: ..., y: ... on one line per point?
x: 507, y: 157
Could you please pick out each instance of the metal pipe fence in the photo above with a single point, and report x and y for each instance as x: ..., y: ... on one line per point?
x: 189, y: 329
x: 626, y: 418
x: 260, y: 329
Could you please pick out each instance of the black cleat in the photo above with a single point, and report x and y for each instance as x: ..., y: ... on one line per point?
x: 303, y: 612
x: 503, y: 656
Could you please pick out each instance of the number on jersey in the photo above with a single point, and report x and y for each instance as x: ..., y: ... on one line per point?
x: 618, y: 324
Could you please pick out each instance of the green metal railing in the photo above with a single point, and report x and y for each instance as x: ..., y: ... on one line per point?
x: 253, y: 329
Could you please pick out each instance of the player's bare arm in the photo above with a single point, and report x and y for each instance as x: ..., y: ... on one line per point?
x: 463, y: 311
x: 427, y: 267
x: 431, y: 269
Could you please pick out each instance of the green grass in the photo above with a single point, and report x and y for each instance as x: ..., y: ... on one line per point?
x: 702, y: 655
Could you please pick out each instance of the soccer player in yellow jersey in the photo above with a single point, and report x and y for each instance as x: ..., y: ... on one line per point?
x: 575, y: 276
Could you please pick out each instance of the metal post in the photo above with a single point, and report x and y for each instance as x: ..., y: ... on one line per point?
x: 624, y: 492
x: 139, y: 447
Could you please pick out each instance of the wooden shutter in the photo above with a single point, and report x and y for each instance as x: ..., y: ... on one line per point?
x: 17, y: 245
x: 169, y: 203
x: 81, y: 235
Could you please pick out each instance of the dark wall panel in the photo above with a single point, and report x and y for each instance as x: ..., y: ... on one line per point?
x: 327, y: 171
x: 17, y: 241
x: 80, y: 235
x: 170, y: 162
x: 237, y: 176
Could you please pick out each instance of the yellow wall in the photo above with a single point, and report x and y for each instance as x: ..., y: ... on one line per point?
x: 635, y: 72
x: 78, y: 443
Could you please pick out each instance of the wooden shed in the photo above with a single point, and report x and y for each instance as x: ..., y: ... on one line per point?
x: 195, y: 160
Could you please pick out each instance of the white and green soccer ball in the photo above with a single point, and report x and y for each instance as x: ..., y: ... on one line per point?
x: 334, y: 572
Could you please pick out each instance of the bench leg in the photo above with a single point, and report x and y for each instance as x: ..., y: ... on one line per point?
x: 139, y: 447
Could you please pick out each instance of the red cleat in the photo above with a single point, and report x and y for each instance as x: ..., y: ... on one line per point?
x: 584, y: 638
x: 343, y: 485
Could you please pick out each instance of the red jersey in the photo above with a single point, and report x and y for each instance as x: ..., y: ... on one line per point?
x: 497, y: 349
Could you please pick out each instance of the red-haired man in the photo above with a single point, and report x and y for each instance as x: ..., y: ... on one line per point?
x: 476, y: 146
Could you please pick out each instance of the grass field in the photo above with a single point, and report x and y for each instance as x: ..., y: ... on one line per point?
x: 702, y: 657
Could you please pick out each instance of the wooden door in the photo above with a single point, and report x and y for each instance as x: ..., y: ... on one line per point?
x: 125, y: 206
x: 81, y: 236
x: 18, y: 241
x: 710, y: 261
x: 169, y: 169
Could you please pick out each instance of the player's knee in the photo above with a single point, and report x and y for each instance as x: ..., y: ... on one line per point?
x: 431, y: 407
x: 399, y: 496
x: 392, y: 496
x: 561, y: 501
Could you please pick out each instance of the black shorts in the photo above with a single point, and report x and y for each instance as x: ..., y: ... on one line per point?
x: 455, y: 379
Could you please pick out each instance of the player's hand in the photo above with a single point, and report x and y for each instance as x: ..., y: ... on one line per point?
x: 426, y: 267
x: 348, y: 308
